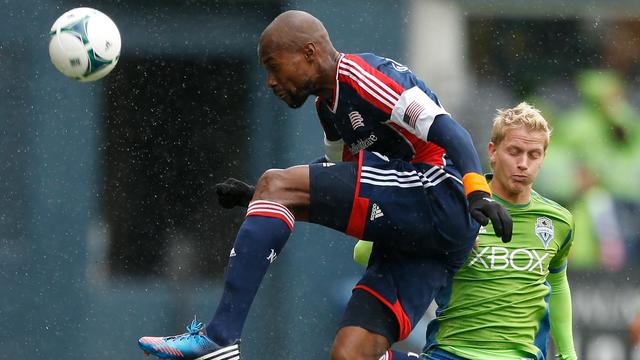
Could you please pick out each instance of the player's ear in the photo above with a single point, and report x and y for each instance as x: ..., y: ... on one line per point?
x: 309, y: 50
x: 491, y: 150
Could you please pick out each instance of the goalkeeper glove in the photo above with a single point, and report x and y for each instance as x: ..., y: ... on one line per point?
x: 233, y: 192
x: 482, y: 208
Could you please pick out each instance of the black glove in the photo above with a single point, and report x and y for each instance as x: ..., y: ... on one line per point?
x: 482, y: 208
x: 233, y: 192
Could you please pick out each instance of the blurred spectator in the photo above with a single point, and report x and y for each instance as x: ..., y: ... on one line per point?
x: 592, y: 168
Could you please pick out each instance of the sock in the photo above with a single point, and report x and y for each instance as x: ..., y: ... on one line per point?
x: 397, y: 355
x: 262, y: 235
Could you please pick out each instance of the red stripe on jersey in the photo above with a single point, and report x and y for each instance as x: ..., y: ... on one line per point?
x: 347, y: 155
x: 403, y: 320
x: 373, y: 85
x: 359, y: 209
x: 426, y: 151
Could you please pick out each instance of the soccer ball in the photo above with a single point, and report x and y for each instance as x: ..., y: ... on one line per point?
x: 84, y: 44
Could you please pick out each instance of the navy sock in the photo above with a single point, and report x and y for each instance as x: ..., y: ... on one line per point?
x: 261, y: 237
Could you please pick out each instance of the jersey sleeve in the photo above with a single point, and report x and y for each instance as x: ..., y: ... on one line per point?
x: 422, y: 116
x: 559, y: 261
x: 560, y: 316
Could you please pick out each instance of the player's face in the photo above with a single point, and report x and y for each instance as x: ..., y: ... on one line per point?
x: 515, y: 162
x: 289, y: 75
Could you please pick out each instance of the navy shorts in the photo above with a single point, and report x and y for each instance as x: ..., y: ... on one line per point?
x: 417, y: 217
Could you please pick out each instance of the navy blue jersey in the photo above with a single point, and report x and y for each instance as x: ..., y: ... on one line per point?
x: 381, y: 106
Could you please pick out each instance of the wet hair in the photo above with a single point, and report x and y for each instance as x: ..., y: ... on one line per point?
x: 521, y: 115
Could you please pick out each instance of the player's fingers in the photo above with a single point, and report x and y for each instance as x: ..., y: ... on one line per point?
x: 496, y: 221
x: 479, y: 217
x: 507, y: 226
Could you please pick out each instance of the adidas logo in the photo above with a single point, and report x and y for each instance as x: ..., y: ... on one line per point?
x: 375, y: 212
x: 233, y: 252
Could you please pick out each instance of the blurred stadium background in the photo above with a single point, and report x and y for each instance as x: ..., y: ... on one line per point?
x: 109, y: 228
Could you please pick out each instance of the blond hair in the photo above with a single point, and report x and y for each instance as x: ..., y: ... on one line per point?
x: 521, y: 115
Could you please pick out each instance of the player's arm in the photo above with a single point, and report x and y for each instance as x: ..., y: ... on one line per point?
x: 560, y: 315
x: 560, y: 299
x: 422, y: 116
x: 333, y: 143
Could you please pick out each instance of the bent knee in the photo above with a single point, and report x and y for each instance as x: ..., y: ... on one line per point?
x: 271, y: 184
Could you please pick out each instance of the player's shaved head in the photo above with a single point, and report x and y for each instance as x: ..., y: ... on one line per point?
x: 299, y: 58
x: 292, y: 30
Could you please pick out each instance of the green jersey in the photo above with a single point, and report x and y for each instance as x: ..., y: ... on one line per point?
x: 498, y: 301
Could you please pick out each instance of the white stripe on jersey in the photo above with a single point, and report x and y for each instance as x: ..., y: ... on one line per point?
x: 367, y: 89
x: 366, y: 78
x: 404, y: 179
x: 407, y: 179
x: 394, y: 96
x: 392, y: 171
x: 391, y: 183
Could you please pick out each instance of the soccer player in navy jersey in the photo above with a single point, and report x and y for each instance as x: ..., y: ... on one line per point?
x: 414, y: 188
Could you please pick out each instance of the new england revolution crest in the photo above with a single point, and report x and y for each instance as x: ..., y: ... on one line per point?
x: 544, y: 230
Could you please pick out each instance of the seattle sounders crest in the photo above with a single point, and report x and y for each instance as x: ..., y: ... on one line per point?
x: 544, y: 230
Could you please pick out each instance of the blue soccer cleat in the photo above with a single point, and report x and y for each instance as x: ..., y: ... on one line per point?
x: 193, y: 345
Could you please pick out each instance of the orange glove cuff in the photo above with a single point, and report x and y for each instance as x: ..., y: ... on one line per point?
x: 475, y: 182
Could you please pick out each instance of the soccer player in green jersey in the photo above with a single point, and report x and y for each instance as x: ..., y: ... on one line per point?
x: 505, y: 299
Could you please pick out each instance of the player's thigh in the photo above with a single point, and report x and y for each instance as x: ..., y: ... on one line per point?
x: 332, y: 189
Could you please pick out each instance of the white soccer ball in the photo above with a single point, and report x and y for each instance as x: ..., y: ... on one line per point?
x: 84, y: 44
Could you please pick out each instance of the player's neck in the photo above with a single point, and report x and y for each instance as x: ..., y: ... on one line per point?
x: 518, y: 198
x: 327, y: 83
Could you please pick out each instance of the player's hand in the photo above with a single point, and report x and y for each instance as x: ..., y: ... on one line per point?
x: 233, y: 192
x: 482, y: 208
